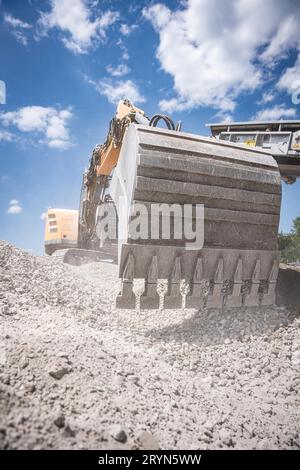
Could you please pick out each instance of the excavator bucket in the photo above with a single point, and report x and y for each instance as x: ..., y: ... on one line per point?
x: 227, y: 196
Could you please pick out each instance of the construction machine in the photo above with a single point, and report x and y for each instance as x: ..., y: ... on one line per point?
x: 61, y: 230
x: 182, y: 207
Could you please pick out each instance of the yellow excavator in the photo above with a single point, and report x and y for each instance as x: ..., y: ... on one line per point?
x: 171, y: 205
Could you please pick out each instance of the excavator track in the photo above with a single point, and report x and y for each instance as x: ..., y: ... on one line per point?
x: 240, y: 189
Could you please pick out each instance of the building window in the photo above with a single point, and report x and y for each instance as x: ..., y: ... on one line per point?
x: 52, y: 222
x: 53, y: 230
x: 51, y: 216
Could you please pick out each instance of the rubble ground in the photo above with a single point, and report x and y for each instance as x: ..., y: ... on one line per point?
x: 76, y: 373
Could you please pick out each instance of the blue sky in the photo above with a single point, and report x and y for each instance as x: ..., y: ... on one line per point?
x: 66, y: 63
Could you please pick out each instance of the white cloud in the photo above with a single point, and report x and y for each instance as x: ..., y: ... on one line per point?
x: 267, y: 97
x: 290, y: 77
x: 17, y: 28
x: 215, y: 51
x: 118, y: 71
x: 126, y: 29
x: 125, y: 55
x: 14, y: 210
x: 223, y: 117
x: 52, y: 123
x: 43, y: 215
x: 275, y: 113
x: 286, y: 35
x: 118, y: 90
x: 6, y: 136
x: 74, y: 20
x: 14, y: 207
x: 173, y: 104
x: 2, y: 92
x: 16, y: 22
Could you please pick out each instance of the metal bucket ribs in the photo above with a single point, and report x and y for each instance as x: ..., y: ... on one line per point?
x: 240, y: 189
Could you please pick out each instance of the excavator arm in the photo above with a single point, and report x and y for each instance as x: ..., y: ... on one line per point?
x: 96, y: 178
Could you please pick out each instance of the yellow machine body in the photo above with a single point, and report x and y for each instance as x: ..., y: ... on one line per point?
x: 110, y: 154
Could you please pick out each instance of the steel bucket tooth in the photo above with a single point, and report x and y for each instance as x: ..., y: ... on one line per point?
x: 236, y: 299
x: 150, y: 298
x: 270, y: 297
x: 252, y: 299
x: 196, y: 298
x: 173, y: 298
x: 127, y: 298
x: 215, y: 299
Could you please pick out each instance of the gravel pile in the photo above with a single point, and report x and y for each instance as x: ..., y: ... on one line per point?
x: 77, y: 373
